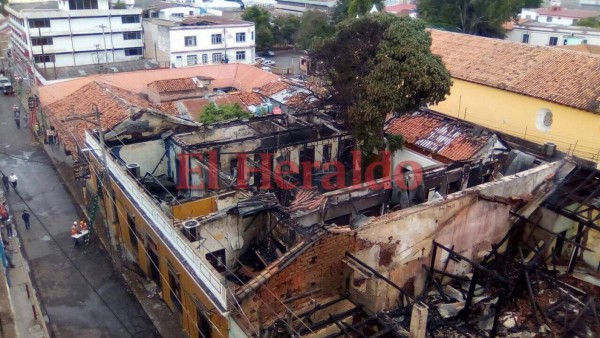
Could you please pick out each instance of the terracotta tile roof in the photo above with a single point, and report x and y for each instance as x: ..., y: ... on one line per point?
x: 585, y: 48
x: 437, y: 134
x: 115, y: 105
x: 551, y: 74
x: 274, y: 87
x: 173, y: 85
x: 401, y: 8
x: 196, y: 106
x: 251, y: 98
x: 300, y: 101
x: 567, y: 13
x: 307, y: 200
x: 241, y: 76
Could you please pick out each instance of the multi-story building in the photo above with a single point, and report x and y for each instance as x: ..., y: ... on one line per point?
x: 557, y: 15
x: 54, y: 34
x: 549, y: 34
x: 200, y: 40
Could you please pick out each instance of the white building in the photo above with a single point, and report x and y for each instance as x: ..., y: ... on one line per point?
x: 542, y: 34
x: 171, y: 11
x: 199, y: 40
x: 55, y: 34
x: 557, y: 15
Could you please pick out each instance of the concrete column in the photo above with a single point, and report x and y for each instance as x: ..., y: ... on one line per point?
x: 418, y: 321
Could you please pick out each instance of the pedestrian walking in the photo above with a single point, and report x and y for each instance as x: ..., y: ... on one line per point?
x: 5, y: 182
x: 17, y: 117
x: 25, y: 216
x: 3, y: 214
x: 9, y: 228
x: 13, y: 180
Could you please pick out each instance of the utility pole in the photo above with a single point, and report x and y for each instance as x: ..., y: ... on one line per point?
x: 105, y: 182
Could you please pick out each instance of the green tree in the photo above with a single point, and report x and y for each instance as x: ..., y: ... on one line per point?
x: 262, y: 22
x: 285, y: 28
x: 588, y: 22
x: 119, y: 5
x: 478, y: 17
x: 212, y: 113
x: 315, y: 26
x: 380, y: 64
x: 351, y: 8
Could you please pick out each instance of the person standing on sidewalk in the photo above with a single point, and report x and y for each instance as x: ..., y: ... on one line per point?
x: 17, y: 118
x: 25, y: 216
x: 5, y: 182
x: 13, y: 180
x: 9, y: 228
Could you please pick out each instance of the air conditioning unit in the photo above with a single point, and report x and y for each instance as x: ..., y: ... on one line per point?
x: 190, y: 230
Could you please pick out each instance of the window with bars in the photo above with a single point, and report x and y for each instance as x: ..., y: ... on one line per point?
x: 132, y: 36
x: 44, y: 58
x: 39, y: 23
x: 240, y: 56
x: 216, y: 39
x: 130, y: 19
x: 192, y: 60
x: 133, y: 51
x: 190, y: 41
x: 240, y: 37
x: 83, y: 4
x: 41, y: 41
x: 217, y: 57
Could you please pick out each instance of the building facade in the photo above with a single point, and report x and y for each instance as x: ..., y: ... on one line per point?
x: 541, y: 34
x: 74, y: 33
x: 557, y: 15
x: 200, y: 41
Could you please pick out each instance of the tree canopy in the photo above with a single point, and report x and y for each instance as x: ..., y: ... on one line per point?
x: 380, y: 64
x: 478, y: 17
x: 285, y: 28
x: 262, y: 22
x: 212, y: 113
x: 588, y: 22
x: 351, y: 8
x: 314, y: 27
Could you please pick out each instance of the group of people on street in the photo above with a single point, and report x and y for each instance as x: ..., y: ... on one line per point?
x: 8, y: 181
x: 78, y: 228
x: 7, y: 220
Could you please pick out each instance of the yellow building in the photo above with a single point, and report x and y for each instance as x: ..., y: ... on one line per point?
x: 541, y: 94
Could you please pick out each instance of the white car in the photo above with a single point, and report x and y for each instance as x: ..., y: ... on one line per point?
x: 259, y: 59
x: 266, y: 69
x: 268, y: 63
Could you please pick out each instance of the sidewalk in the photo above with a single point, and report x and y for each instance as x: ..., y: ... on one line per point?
x: 21, y: 296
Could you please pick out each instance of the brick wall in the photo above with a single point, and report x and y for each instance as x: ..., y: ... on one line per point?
x: 318, y: 267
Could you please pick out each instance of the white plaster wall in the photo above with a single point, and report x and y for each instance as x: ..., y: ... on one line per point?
x: 147, y: 155
x: 541, y: 36
x: 556, y: 19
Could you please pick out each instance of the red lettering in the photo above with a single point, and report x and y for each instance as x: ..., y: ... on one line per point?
x: 290, y: 168
x: 356, y: 167
x: 262, y: 168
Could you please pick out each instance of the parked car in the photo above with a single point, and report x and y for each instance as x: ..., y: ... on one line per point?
x: 268, y: 63
x: 5, y: 86
x: 268, y: 53
x: 259, y: 59
x: 266, y: 69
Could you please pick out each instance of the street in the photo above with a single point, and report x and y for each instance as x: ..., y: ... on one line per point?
x: 287, y: 59
x: 81, y: 294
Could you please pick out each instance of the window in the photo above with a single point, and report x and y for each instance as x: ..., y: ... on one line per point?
x: 41, y: 41
x: 191, y: 13
x: 525, y: 38
x: 217, y: 57
x: 133, y: 51
x: 39, y: 23
x: 240, y: 37
x: 132, y: 231
x: 175, y: 288
x: 44, y: 58
x: 575, y: 21
x: 177, y: 15
x: 132, y: 35
x: 154, y: 15
x: 83, y: 4
x: 326, y: 153
x: 553, y: 41
x: 204, y: 58
x: 527, y: 17
x: 130, y: 19
x: 252, y: 36
x: 190, y: 41
x: 240, y: 56
x: 584, y: 42
x: 548, y: 19
x: 192, y: 60
x: 216, y: 39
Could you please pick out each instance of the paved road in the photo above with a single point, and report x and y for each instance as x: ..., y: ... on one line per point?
x: 90, y: 303
x: 287, y: 59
